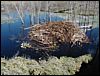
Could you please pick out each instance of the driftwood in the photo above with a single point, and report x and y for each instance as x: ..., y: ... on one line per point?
x: 51, y: 34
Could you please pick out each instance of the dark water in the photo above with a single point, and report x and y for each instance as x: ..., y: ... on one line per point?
x: 12, y: 36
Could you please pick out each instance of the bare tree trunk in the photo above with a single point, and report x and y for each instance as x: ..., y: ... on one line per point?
x: 19, y: 13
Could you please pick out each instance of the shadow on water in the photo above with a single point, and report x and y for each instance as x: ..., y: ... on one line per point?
x: 75, y: 51
x: 92, y: 68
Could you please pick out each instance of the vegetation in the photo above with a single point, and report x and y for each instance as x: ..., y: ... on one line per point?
x: 53, y: 66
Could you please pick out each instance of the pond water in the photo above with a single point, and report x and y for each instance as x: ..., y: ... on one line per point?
x: 12, y: 36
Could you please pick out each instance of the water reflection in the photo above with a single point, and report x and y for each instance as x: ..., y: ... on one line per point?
x: 12, y: 35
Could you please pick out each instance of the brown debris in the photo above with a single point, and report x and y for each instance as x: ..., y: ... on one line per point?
x: 53, y: 33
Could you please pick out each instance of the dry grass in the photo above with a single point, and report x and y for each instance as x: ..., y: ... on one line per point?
x: 53, y: 66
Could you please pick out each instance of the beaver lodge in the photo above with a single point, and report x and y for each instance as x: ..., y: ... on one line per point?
x: 52, y: 35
